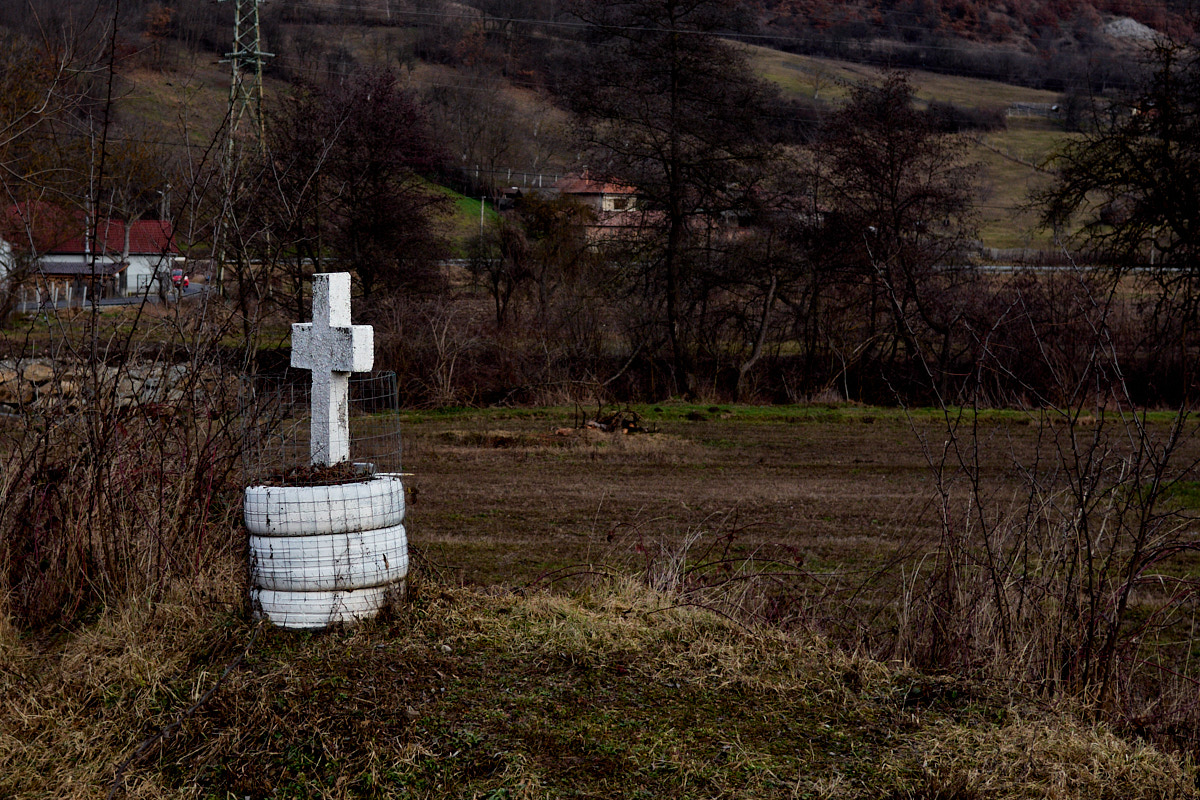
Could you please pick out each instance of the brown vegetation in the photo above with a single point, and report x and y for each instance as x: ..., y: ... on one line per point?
x: 1047, y: 552
x: 1039, y: 550
x: 461, y: 693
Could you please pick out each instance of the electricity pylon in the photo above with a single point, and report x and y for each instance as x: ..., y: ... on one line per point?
x: 245, y: 100
x: 246, y: 88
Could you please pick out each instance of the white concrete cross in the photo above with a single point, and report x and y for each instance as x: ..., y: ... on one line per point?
x: 332, y: 348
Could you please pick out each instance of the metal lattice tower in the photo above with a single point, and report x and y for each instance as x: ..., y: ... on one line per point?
x: 245, y: 100
x: 246, y: 88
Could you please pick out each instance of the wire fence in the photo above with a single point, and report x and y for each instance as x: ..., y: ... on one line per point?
x: 279, y: 422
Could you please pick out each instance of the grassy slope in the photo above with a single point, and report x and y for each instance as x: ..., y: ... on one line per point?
x: 462, y: 694
x: 189, y: 103
x: 192, y: 97
x: 1010, y: 159
x: 803, y: 75
x: 184, y: 104
x: 462, y: 224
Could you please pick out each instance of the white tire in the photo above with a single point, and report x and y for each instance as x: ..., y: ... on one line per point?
x: 317, y: 609
x: 313, y: 510
x: 334, y: 561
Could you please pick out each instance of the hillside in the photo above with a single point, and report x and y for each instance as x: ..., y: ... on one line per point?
x: 1052, y: 44
x: 487, y: 72
x: 1021, y: 23
x: 186, y: 101
x: 459, y: 694
x: 1010, y: 159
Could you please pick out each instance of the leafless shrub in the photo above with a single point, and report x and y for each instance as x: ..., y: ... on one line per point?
x: 120, y: 476
x: 705, y: 565
x: 435, y: 343
x: 1078, y: 582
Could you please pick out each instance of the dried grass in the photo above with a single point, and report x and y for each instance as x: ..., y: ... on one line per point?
x: 1053, y: 758
x: 75, y: 705
x: 472, y: 694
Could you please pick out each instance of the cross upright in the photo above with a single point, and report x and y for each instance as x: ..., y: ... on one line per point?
x: 332, y: 348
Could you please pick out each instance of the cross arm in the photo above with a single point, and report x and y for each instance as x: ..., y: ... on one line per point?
x: 339, y: 349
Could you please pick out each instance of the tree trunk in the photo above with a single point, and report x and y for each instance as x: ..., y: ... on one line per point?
x: 759, y: 340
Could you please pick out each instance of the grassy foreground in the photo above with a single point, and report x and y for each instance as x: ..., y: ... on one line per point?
x: 609, y: 692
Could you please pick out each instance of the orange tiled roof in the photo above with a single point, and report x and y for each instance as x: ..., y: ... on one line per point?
x: 582, y: 184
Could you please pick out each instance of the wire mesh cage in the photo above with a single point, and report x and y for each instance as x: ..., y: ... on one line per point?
x: 327, y: 545
x: 279, y: 429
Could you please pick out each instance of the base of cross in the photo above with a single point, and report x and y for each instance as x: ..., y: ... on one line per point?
x: 317, y: 610
x: 322, y: 474
x: 325, y: 554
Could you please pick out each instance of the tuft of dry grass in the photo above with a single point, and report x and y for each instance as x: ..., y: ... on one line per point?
x: 1052, y: 757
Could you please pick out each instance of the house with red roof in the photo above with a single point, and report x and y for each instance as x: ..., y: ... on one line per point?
x: 603, y: 196
x: 617, y: 211
x: 110, y: 258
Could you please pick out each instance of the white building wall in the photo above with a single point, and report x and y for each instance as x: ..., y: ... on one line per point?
x: 146, y: 274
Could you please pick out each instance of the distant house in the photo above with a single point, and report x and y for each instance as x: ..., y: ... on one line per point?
x: 53, y: 244
x: 618, y: 213
x: 600, y: 195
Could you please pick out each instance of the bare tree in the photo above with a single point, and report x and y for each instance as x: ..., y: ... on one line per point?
x: 901, y: 196
x: 45, y: 91
x: 481, y: 125
x: 347, y: 161
x: 1134, y: 182
x: 1127, y: 197
x: 670, y: 108
x: 1128, y: 192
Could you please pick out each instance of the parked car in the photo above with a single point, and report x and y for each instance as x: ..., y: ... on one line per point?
x: 178, y: 279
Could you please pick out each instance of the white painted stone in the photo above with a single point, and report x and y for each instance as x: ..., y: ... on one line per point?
x: 332, y: 348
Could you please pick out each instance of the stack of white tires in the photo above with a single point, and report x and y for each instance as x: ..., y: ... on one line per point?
x: 322, y: 555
